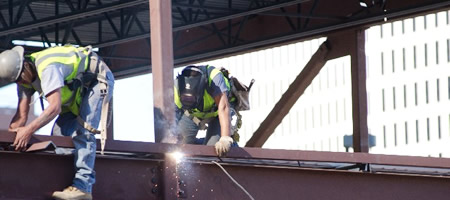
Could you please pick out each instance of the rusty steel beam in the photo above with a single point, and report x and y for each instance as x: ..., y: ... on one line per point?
x: 290, y: 97
x: 162, y: 66
x: 359, y: 92
x: 247, y: 153
x: 159, y: 177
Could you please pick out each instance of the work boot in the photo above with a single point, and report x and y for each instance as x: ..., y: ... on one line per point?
x: 71, y: 193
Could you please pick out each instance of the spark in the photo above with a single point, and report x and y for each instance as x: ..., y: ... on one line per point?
x: 178, y: 156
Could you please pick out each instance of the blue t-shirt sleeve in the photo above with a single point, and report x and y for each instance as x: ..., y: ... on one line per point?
x: 218, y: 85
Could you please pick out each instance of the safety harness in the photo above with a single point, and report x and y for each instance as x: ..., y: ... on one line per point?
x: 96, y: 70
x: 90, y: 69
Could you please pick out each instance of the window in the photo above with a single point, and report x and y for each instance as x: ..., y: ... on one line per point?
x: 395, y: 134
x: 403, y: 26
x: 439, y: 127
x: 382, y: 63
x: 381, y: 31
x: 414, y: 24
x: 382, y: 96
x: 384, y: 136
x: 426, y: 92
x: 425, y: 22
x: 404, y: 95
x: 449, y: 87
x: 393, y: 96
x: 436, y: 20
x: 437, y: 52
x: 417, y: 131
x: 415, y: 94
x: 428, y: 129
x: 406, y: 132
x: 392, y: 29
x: 393, y: 61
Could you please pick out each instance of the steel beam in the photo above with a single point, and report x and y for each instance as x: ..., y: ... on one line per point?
x: 162, y: 67
x: 359, y: 93
x: 159, y: 177
x: 290, y: 97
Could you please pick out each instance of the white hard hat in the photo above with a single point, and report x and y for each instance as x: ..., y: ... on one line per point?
x: 11, y: 62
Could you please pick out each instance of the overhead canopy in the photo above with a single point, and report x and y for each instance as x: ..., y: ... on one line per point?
x: 202, y: 29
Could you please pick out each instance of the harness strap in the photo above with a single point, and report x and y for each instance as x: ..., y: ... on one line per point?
x: 99, y: 68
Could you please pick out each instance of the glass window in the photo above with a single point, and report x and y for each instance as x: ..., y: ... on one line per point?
x: 406, y: 132
x: 395, y: 134
x: 437, y: 52
x: 417, y: 131
x: 404, y: 59
x: 404, y: 95
x: 439, y: 127
x: 393, y: 96
x: 415, y: 94
x: 384, y: 136
x: 437, y: 90
x: 393, y: 61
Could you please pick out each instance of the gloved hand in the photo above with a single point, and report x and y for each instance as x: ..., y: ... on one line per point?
x: 223, y: 145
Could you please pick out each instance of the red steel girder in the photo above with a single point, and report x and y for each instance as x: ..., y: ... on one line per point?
x: 36, y: 176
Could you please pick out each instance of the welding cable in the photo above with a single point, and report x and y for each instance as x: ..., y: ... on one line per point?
x: 235, y: 182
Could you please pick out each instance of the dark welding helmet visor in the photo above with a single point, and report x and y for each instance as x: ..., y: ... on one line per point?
x: 191, y: 84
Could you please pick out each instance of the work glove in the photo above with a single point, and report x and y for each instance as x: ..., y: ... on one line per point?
x: 223, y: 145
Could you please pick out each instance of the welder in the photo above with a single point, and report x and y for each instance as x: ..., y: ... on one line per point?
x: 202, y: 96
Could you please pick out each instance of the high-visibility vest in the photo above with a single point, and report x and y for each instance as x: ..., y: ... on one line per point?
x: 71, y: 56
x: 208, y: 101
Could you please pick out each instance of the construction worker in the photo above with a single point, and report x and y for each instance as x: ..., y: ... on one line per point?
x: 78, y: 86
x: 202, y: 99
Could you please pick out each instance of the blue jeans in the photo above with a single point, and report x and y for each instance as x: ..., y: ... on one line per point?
x: 189, y: 130
x: 83, y: 140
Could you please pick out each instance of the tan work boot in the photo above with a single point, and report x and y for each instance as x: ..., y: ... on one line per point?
x: 71, y: 193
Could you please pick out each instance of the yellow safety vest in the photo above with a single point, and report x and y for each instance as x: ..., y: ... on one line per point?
x: 208, y: 100
x: 69, y: 56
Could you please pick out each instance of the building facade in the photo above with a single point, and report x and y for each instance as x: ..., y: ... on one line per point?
x: 408, y: 86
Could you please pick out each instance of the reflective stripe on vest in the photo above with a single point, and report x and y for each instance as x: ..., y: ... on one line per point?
x: 69, y: 56
x: 208, y: 100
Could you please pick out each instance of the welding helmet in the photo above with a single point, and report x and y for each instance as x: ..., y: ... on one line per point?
x: 11, y: 62
x: 191, y: 85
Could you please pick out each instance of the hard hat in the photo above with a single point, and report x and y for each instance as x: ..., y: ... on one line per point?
x: 11, y: 62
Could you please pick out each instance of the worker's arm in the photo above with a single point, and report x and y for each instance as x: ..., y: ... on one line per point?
x: 224, y: 113
x: 54, y: 108
x: 21, y: 116
x: 225, y: 141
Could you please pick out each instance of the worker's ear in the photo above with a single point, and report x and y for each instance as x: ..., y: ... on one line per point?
x: 29, y: 73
